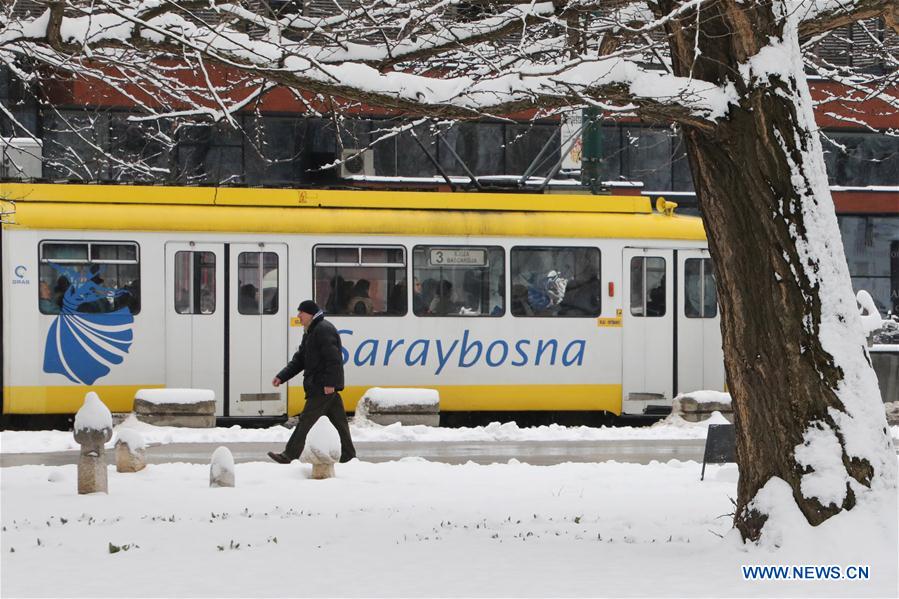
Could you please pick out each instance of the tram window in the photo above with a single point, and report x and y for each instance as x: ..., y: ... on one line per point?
x: 555, y: 281
x: 360, y: 280
x: 648, y: 286
x: 257, y: 283
x: 113, y: 252
x: 700, y: 293
x: 61, y: 252
x: 458, y: 281
x: 88, y: 276
x: 194, y: 282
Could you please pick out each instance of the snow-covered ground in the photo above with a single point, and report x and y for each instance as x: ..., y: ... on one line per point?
x: 670, y: 429
x: 417, y: 528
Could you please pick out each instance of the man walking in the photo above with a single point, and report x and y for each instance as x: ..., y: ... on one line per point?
x: 320, y: 358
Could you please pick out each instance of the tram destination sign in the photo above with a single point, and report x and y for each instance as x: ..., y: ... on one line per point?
x: 458, y: 257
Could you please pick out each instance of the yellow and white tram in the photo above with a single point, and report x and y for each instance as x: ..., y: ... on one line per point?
x: 501, y: 302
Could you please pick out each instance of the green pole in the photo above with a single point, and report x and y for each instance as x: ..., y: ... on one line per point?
x: 592, y: 149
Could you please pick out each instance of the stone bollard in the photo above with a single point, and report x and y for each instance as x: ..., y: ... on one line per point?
x: 322, y: 449
x: 93, y: 428
x: 700, y: 405
x: 221, y: 470
x: 129, y: 451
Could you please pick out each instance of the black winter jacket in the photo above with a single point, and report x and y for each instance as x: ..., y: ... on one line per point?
x: 319, y: 358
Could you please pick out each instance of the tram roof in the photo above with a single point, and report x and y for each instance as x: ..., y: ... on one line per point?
x: 323, y: 198
x: 136, y: 207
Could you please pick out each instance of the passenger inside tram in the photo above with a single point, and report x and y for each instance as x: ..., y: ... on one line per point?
x: 335, y: 301
x: 361, y: 303
x: 419, y: 306
x: 655, y: 298
x: 59, y: 290
x: 247, y: 300
x: 581, y: 295
x: 443, y: 299
x: 396, y: 299
x: 519, y: 301
x: 45, y: 301
x: 428, y: 294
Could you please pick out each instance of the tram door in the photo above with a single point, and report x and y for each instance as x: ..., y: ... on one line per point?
x: 258, y: 324
x: 647, y: 329
x: 700, y: 363
x: 195, y: 317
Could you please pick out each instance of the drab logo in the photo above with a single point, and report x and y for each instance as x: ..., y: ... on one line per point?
x: 20, y: 272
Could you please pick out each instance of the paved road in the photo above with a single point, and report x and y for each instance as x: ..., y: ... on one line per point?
x: 542, y: 453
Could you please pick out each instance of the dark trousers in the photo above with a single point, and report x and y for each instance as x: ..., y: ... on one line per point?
x: 316, y: 407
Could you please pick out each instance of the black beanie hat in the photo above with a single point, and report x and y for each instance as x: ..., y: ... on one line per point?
x: 309, y: 307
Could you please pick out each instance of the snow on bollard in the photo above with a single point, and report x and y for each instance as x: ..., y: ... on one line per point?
x: 221, y: 470
x: 129, y: 451
x: 322, y: 449
x: 93, y: 428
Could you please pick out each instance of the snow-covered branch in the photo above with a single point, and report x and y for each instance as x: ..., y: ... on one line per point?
x: 444, y: 58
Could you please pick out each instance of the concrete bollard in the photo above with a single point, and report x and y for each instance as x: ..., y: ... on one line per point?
x: 221, y: 469
x: 93, y: 428
x: 322, y: 449
x: 130, y: 455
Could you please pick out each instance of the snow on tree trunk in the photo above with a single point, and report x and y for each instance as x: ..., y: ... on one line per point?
x: 806, y: 401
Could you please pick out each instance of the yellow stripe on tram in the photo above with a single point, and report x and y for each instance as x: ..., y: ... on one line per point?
x: 498, y: 398
x: 68, y: 399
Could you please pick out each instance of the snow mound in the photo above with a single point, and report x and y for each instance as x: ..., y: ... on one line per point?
x: 386, y: 398
x: 675, y: 421
x: 706, y: 396
x: 322, y: 444
x: 787, y: 531
x: 93, y: 415
x: 222, y: 463
x: 176, y: 396
x: 871, y: 319
x: 130, y: 437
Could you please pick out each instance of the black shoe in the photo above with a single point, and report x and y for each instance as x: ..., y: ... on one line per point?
x: 279, y: 457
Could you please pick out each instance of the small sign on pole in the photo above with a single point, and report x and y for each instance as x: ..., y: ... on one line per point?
x: 720, y: 446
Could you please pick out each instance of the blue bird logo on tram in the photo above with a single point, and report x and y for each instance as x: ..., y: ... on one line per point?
x: 87, y: 337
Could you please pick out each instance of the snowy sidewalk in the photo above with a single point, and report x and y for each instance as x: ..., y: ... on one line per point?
x: 541, y: 453
x: 47, y: 441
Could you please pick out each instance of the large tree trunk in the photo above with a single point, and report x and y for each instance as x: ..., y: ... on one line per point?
x: 806, y: 402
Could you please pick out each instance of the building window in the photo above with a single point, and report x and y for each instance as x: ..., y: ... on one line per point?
x: 88, y: 277
x: 458, y: 281
x: 194, y: 282
x: 648, y: 286
x: 360, y: 280
x: 555, y: 281
x: 700, y: 294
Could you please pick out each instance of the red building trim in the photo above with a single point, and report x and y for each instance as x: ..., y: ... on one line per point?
x: 866, y: 201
